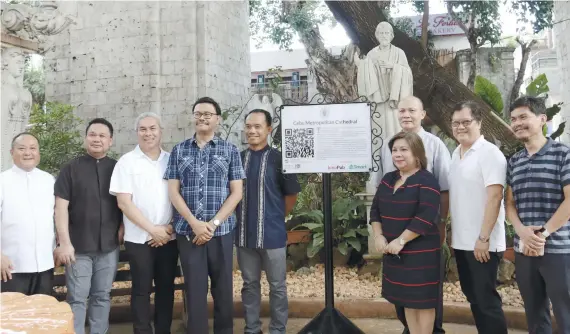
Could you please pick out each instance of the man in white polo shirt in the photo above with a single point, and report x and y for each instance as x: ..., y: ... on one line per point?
x: 410, y: 114
x: 142, y: 195
x: 26, y: 216
x: 477, y: 176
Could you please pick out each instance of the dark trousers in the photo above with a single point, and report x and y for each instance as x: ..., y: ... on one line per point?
x: 213, y: 259
x: 438, y: 324
x: 30, y: 283
x: 479, y: 284
x: 148, y: 263
x: 540, y: 279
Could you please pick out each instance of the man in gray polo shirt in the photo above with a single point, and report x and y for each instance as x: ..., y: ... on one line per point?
x: 410, y: 114
x: 538, y: 206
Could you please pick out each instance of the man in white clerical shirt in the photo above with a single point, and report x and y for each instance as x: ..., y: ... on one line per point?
x: 26, y: 215
x: 142, y: 195
x: 410, y: 115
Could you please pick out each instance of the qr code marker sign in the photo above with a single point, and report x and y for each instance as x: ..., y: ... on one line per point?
x: 299, y: 143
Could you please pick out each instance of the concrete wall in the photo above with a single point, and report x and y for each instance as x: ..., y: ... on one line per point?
x: 561, y: 30
x: 125, y: 57
x: 500, y: 71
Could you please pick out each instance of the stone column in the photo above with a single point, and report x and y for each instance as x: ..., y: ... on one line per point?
x: 127, y: 57
x: 562, y: 44
x: 23, y: 31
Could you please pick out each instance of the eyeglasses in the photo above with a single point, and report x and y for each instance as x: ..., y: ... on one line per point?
x: 465, y: 123
x: 207, y: 115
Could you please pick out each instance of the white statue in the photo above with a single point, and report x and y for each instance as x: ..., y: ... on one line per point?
x: 16, y: 100
x: 385, y: 77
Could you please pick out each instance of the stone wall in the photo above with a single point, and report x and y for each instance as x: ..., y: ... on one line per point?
x: 494, y: 64
x: 123, y: 58
x: 562, y: 44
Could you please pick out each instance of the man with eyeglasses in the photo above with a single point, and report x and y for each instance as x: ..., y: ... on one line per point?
x: 410, y: 115
x: 477, y: 177
x: 205, y: 184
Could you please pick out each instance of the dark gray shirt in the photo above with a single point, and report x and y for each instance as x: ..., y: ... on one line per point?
x: 94, y: 216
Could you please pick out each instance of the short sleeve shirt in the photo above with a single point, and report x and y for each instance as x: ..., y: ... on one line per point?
x: 537, y: 184
x: 205, y: 175
x: 261, y: 212
x: 94, y: 215
x: 141, y: 177
x: 482, y: 165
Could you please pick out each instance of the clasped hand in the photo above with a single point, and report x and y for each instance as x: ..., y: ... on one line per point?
x: 160, y: 235
x: 382, y: 245
x: 533, y: 243
x: 203, y: 231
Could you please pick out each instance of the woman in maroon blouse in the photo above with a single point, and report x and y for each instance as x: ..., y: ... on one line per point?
x: 403, y: 218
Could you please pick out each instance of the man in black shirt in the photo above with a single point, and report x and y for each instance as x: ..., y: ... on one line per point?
x: 89, y: 229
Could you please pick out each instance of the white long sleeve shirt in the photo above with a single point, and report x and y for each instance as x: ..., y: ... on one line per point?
x: 27, y: 219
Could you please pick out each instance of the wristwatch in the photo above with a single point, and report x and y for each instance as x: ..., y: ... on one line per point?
x: 483, y: 239
x: 402, y: 241
x: 216, y: 222
x: 544, y: 232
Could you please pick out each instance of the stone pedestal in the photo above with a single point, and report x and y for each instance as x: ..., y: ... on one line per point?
x: 367, y: 197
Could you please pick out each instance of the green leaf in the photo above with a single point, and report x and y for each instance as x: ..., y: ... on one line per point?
x: 343, y: 248
x: 489, y: 92
x: 315, y: 246
x: 355, y: 243
x: 558, y: 131
x: 310, y: 226
x: 362, y: 231
x: 349, y: 234
x: 552, y: 111
x: 538, y: 86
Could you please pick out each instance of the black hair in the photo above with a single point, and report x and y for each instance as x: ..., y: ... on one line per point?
x: 475, y: 108
x: 21, y: 134
x: 100, y: 121
x: 535, y: 104
x: 209, y: 100
x: 268, y: 119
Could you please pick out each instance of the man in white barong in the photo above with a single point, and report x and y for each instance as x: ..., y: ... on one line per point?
x: 27, y: 204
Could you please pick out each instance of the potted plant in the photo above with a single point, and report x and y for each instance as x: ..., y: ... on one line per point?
x: 349, y: 229
x: 296, y: 233
x: 510, y: 235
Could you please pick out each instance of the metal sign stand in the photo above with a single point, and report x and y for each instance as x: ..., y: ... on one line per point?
x: 330, y: 320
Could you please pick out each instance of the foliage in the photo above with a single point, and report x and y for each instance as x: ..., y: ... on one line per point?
x: 344, y: 185
x: 537, y: 13
x: 539, y: 88
x: 268, y: 22
x: 479, y: 19
x: 348, y: 224
x: 489, y: 92
x: 57, y: 129
x: 35, y: 82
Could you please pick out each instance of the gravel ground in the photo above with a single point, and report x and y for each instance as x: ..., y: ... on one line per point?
x: 309, y: 283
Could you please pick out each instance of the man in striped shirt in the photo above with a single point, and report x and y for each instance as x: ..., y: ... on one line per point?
x: 538, y: 206
x: 410, y: 114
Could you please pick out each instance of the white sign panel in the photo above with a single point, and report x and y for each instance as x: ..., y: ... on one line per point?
x: 326, y: 138
x: 439, y: 25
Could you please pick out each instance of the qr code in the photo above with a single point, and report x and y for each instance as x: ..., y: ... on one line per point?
x: 299, y: 143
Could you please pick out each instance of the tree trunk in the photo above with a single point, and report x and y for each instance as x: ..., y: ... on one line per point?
x: 472, y: 67
x: 425, y: 23
x: 437, y: 88
x: 335, y: 75
x: 525, y: 51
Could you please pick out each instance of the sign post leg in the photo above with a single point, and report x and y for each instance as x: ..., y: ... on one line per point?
x: 329, y: 320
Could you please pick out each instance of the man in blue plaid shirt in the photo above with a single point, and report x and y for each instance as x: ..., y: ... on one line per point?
x: 205, y: 185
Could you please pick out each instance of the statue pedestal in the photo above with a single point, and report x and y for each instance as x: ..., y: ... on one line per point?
x: 372, y: 254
